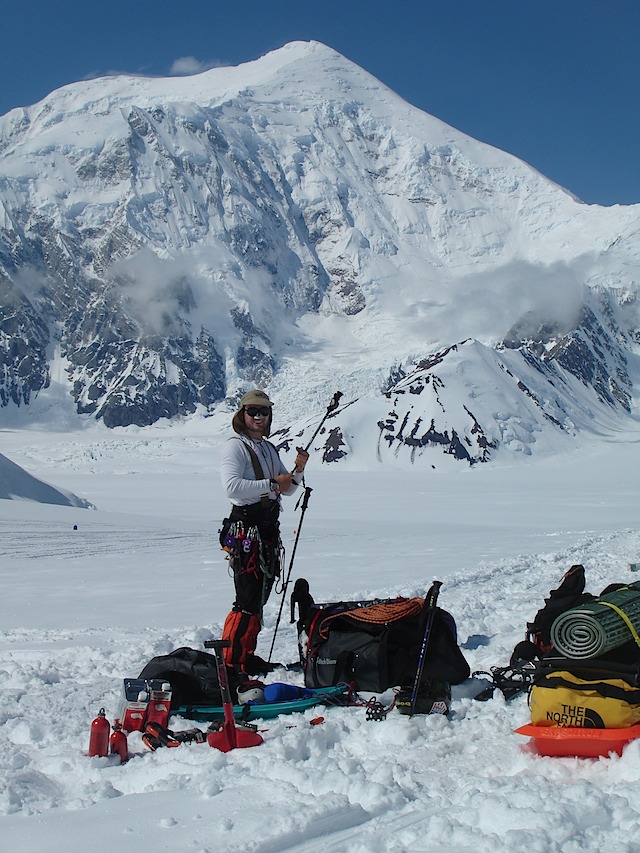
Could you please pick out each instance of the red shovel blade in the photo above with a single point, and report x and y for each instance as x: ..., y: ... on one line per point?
x: 232, y: 737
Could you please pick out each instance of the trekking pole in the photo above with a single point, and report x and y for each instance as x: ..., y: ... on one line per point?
x: 305, y: 503
x: 333, y: 405
x: 429, y: 608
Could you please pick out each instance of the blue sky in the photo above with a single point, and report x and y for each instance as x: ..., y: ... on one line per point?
x: 555, y: 82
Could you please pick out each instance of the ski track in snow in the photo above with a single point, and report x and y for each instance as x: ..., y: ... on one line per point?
x: 34, y: 541
x: 47, y: 540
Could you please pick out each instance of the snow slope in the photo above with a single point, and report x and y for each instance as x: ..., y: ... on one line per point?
x: 81, y: 609
x: 18, y: 484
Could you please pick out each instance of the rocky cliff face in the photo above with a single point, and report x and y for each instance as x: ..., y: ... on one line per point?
x: 165, y: 244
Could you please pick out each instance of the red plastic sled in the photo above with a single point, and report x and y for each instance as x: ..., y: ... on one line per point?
x: 580, y: 742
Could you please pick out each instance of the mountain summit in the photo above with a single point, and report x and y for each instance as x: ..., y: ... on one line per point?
x: 294, y: 224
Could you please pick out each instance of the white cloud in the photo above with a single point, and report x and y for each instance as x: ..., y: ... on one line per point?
x: 185, y: 66
x: 487, y: 304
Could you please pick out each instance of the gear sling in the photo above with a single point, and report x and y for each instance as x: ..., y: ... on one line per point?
x: 251, y: 538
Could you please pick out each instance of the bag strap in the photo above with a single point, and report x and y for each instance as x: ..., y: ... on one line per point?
x: 257, y: 467
x: 624, y: 618
x: 257, y: 470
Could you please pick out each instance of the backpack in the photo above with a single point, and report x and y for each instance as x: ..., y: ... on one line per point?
x: 373, y: 644
x: 193, y: 676
x: 531, y: 655
x: 600, y: 692
x: 569, y: 594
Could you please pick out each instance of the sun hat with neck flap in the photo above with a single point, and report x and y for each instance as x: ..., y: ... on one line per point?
x: 251, y: 398
x: 255, y: 398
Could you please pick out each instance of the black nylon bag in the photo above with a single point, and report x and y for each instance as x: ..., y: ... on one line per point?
x: 444, y: 660
x: 350, y: 656
x: 376, y: 656
x: 193, y: 676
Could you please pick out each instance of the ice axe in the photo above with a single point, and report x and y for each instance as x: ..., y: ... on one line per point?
x: 230, y: 735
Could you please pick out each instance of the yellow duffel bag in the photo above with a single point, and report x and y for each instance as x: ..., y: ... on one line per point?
x: 561, y: 698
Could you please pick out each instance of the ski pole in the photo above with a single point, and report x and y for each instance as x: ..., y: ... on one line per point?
x: 333, y: 405
x: 305, y: 503
x: 429, y: 608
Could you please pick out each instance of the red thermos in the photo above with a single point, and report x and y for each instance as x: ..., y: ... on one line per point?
x: 118, y: 743
x: 99, y: 738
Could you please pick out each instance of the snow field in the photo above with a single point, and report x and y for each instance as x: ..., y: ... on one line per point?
x: 82, y: 609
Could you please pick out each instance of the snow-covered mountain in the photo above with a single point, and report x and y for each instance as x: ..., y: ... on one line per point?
x: 294, y: 224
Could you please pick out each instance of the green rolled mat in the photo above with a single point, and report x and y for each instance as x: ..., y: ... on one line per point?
x: 599, y: 626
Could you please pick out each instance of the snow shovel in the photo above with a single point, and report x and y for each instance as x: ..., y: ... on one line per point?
x: 230, y: 735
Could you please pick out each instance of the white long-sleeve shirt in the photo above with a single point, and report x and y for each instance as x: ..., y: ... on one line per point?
x: 237, y: 474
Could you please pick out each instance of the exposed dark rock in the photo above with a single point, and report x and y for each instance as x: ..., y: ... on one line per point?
x: 24, y: 339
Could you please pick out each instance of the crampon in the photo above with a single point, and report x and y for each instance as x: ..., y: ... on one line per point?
x: 509, y: 680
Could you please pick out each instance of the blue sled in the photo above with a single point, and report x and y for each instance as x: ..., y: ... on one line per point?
x: 266, y: 711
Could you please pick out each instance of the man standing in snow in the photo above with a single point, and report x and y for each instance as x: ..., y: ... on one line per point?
x: 254, y: 478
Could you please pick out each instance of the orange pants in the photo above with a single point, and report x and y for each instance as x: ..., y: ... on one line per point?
x: 241, y: 629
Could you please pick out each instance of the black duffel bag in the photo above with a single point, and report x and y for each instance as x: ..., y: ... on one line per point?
x: 193, y: 676
x: 375, y: 644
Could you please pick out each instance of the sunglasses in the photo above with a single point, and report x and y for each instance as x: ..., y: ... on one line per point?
x: 254, y: 411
